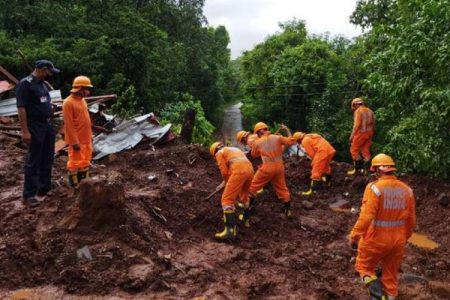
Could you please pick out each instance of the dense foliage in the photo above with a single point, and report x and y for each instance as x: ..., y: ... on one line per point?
x: 409, y: 79
x: 400, y: 66
x: 161, y: 56
x: 303, y: 81
x: 145, y: 51
x: 174, y: 113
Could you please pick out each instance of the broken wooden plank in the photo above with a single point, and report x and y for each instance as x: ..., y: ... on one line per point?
x: 59, y: 145
x: 9, y: 128
x: 8, y: 76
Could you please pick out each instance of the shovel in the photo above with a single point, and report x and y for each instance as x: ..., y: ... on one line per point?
x: 218, y: 189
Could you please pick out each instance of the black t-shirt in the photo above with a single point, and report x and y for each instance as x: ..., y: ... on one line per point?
x: 33, y: 94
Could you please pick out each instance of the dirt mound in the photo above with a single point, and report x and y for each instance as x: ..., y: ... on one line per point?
x: 150, y: 233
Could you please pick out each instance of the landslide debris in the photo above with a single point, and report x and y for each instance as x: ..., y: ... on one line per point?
x: 141, y: 226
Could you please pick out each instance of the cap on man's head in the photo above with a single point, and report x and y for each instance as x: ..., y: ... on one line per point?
x: 46, y: 64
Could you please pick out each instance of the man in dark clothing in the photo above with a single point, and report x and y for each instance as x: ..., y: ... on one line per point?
x: 35, y: 111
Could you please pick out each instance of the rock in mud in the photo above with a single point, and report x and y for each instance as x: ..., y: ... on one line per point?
x: 444, y: 199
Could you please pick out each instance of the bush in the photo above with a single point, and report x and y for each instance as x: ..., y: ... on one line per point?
x: 174, y: 113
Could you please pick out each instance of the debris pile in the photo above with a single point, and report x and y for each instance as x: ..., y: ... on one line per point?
x: 121, y: 233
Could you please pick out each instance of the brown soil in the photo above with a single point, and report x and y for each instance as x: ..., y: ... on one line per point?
x: 156, y: 241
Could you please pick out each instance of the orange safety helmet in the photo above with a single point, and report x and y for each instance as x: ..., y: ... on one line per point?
x: 385, y: 162
x: 298, y: 136
x: 80, y: 81
x: 357, y: 101
x: 259, y: 126
x: 240, y: 135
x: 214, y: 147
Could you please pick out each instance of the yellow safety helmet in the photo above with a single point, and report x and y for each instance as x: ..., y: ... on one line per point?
x: 298, y: 136
x: 259, y: 126
x: 214, y: 147
x: 385, y: 162
x: 240, y: 135
x: 80, y: 81
x: 357, y: 101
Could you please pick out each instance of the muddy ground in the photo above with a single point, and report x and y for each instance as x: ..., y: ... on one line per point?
x: 157, y: 242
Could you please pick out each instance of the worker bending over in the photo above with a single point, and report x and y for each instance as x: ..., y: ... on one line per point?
x: 321, y: 152
x: 270, y: 148
x: 237, y: 173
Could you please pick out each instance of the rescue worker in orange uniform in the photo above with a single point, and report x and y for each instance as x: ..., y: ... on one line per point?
x: 270, y: 148
x: 237, y: 173
x: 361, y: 137
x: 321, y: 152
x: 386, y: 222
x: 78, y: 130
x: 246, y: 138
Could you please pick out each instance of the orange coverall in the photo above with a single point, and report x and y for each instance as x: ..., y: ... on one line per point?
x: 77, y: 130
x: 237, y: 172
x: 321, y: 153
x: 386, y: 222
x: 270, y: 148
x: 363, y: 127
x: 251, y: 139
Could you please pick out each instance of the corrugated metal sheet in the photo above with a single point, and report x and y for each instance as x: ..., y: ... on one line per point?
x: 94, y: 109
x: 127, y: 135
x: 8, y: 107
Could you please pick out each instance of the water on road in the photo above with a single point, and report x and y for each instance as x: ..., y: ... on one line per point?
x: 232, y: 122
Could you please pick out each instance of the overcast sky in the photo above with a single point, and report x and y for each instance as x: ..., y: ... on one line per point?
x: 249, y: 22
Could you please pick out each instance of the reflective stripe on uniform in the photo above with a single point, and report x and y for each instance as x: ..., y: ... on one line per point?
x: 375, y: 190
x: 237, y: 159
x: 381, y: 223
x: 272, y: 159
x: 394, y: 198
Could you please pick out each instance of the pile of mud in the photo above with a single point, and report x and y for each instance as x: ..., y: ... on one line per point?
x: 151, y: 233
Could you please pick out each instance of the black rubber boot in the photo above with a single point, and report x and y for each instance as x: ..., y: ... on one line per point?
x: 366, y: 167
x: 73, y: 178
x: 229, y: 232
x: 287, y: 209
x: 244, y: 217
x: 83, y: 174
x: 327, y: 179
x: 246, y: 214
x: 315, y: 185
x: 374, y: 287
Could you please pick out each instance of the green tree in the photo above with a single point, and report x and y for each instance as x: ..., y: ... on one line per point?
x: 174, y: 113
x: 160, y: 48
x: 408, y: 79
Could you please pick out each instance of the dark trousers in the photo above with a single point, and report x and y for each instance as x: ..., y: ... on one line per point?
x: 39, y: 160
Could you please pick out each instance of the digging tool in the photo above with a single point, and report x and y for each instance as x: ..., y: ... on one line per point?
x: 218, y: 189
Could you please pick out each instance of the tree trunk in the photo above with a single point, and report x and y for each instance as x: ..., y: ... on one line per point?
x: 100, y: 204
x: 188, y: 126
